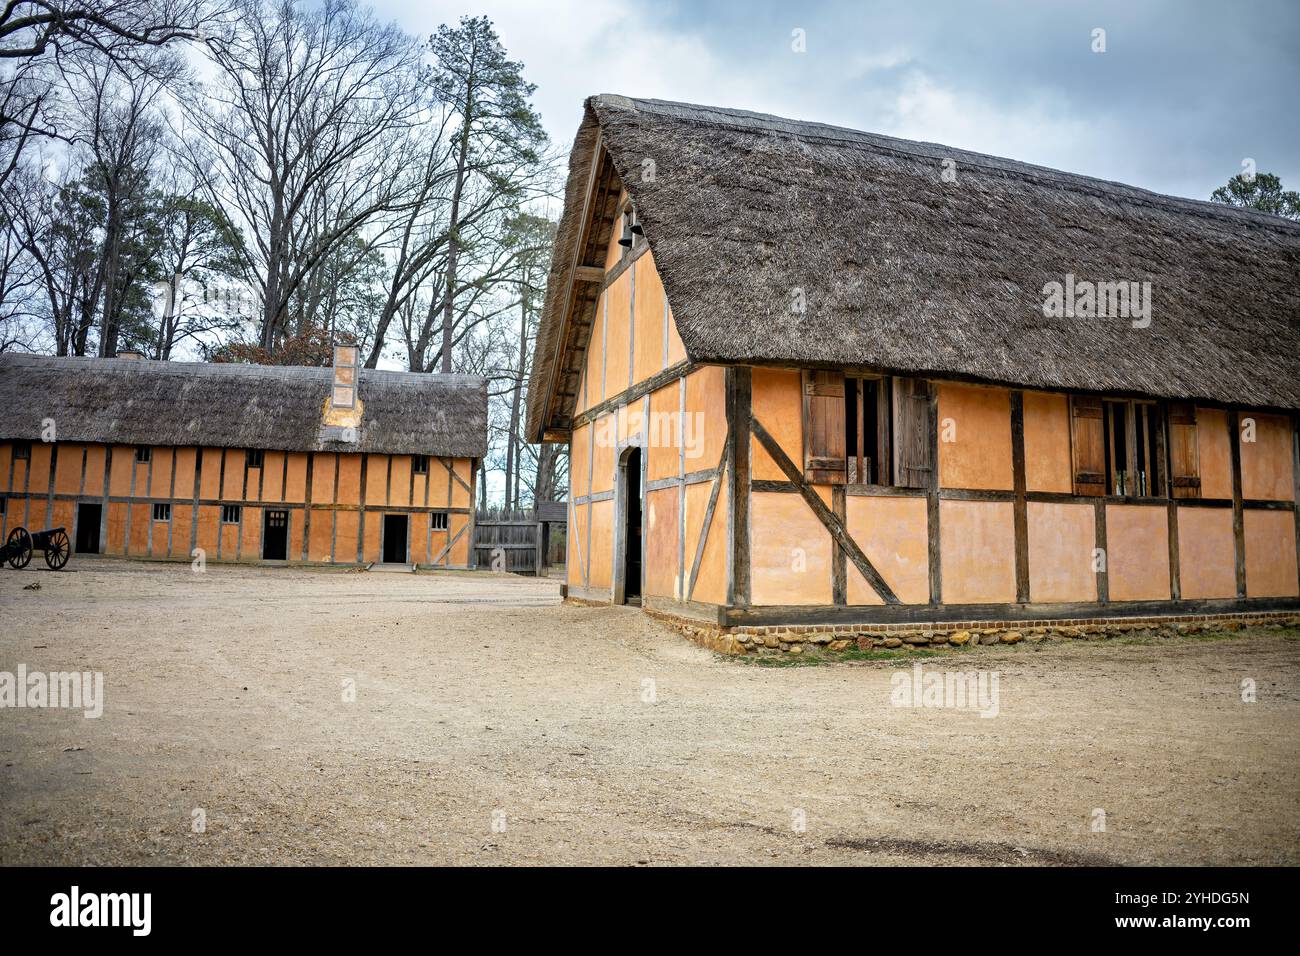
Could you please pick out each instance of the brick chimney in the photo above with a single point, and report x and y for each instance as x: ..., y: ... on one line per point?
x: 341, y: 416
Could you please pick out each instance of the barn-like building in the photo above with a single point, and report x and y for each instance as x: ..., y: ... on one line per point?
x: 242, y: 462
x: 810, y: 375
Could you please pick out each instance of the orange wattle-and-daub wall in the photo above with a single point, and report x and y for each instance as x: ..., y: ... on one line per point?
x: 334, y: 502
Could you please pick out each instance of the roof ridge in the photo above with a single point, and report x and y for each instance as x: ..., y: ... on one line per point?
x: 155, y: 366
x: 1001, y: 165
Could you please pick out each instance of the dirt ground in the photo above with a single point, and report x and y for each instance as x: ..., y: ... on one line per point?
x: 493, y: 725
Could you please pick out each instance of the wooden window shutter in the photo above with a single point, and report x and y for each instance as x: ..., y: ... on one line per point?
x: 913, y: 460
x: 1088, y: 441
x: 1184, y: 456
x: 824, y: 456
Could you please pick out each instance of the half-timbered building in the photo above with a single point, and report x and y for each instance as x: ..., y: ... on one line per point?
x: 233, y: 462
x: 813, y: 375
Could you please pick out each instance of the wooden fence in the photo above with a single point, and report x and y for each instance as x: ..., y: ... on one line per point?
x: 506, y: 540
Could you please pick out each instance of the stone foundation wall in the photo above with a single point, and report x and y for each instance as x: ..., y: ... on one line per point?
x: 835, y: 638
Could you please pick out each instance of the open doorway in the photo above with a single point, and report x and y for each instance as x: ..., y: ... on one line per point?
x: 275, y: 536
x: 395, y: 534
x: 630, y: 477
x: 88, y: 517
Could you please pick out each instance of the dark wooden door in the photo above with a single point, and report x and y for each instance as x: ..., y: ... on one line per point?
x: 88, y: 516
x: 275, y: 536
x: 395, y: 539
x: 632, y: 561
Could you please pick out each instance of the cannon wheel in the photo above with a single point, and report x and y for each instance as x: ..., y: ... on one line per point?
x: 19, y: 545
x: 57, y: 550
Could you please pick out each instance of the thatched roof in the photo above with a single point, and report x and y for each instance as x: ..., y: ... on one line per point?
x: 903, y: 271
x: 139, y: 402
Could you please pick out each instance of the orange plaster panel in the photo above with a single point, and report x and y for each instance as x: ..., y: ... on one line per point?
x: 705, y: 425
x: 320, y: 536
x: 662, y: 528
x: 790, y: 552
x: 273, y: 476
x: 618, y: 317
x: 96, y: 457
x: 20, y: 475
x: 1061, y: 541
x: 711, y: 582
x: 116, y: 543
x: 6, y: 453
x: 977, y: 552
x: 1137, y: 553
x: 346, y: 524
x: 209, y: 530
x: 576, y: 550
x: 1270, y: 554
x: 459, y: 555
x: 460, y: 492
x: 974, y: 437
x: 38, y: 481
x: 182, y: 523
x: 594, y: 373
x: 602, y: 545
x: 67, y: 473
x: 160, y: 480
x: 777, y: 398
x: 1266, y: 465
x: 349, y: 480
x: 119, y: 482
x: 892, y: 534
x: 140, y: 520
x: 605, y: 437
x: 295, y: 534
x: 663, y: 433
x: 209, y: 481
x: 648, y: 312
x: 376, y: 479
x: 184, y: 488
x: 232, y: 480
x: 295, y: 480
x: 1047, y: 444
x: 1215, y: 452
x: 1207, y: 553
x: 250, y: 548
x: 676, y: 349
x: 373, y: 521
x: 323, y: 466
x: 579, y: 461
x: 399, y: 484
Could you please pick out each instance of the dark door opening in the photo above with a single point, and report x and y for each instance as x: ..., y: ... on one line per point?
x: 275, y: 536
x: 394, y: 539
x: 632, y: 558
x: 88, y: 516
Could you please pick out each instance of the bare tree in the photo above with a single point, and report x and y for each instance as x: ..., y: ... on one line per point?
x: 307, y: 103
x: 498, y: 135
x: 39, y: 39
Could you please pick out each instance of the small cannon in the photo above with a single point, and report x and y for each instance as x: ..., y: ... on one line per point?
x: 18, y: 547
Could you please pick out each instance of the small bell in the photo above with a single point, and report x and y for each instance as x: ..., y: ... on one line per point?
x: 626, y: 238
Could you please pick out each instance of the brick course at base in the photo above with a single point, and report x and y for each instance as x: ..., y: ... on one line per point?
x: 793, y: 639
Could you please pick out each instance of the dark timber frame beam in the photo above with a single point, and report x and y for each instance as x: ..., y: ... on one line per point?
x: 839, y: 534
x: 740, y: 422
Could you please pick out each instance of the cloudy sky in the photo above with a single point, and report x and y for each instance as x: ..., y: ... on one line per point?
x: 1182, y: 94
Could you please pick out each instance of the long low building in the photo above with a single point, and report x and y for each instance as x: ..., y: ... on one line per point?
x: 242, y: 462
x: 811, y: 376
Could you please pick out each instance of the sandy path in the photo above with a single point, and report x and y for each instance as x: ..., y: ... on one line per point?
x: 480, y: 698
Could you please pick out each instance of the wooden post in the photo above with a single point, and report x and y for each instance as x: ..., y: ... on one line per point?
x: 1021, y: 516
x: 1238, y: 520
x: 739, y: 424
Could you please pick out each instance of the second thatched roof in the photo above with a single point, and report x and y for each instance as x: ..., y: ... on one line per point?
x: 139, y: 402
x: 901, y: 270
